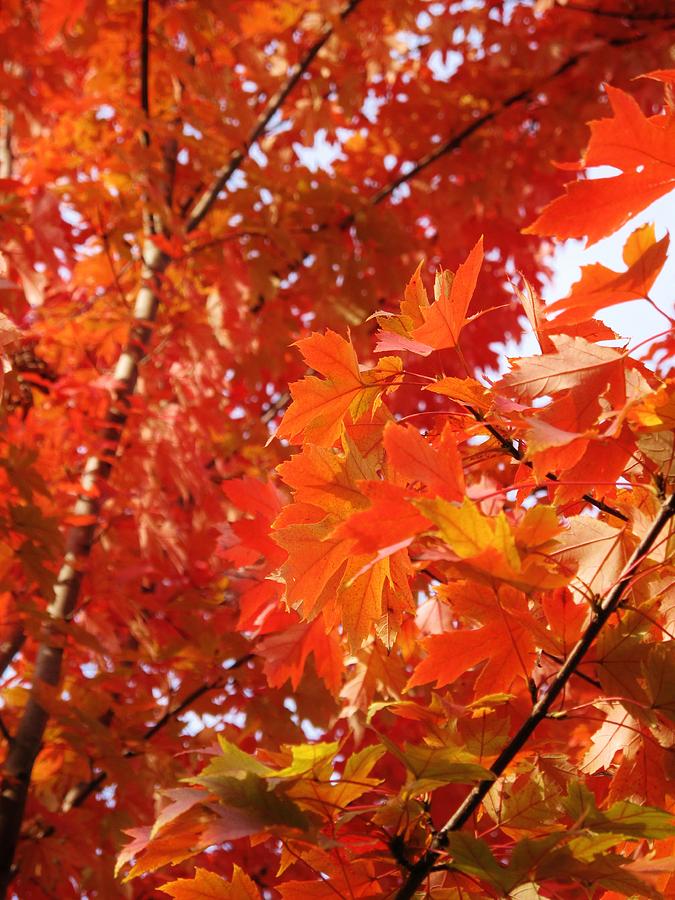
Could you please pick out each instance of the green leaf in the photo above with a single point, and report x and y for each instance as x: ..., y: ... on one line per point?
x: 306, y: 758
x: 623, y: 818
x: 235, y: 763
x: 473, y: 857
x: 436, y: 766
x: 264, y: 806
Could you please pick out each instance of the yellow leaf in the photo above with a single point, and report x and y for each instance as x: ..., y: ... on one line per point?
x: 464, y: 529
x: 209, y: 886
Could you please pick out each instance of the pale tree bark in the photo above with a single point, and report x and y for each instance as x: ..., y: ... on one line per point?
x: 13, y: 644
x: 26, y: 743
x: 5, y: 143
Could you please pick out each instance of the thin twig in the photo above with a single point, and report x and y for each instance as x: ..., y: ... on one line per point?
x: 82, y: 792
x: 617, y: 14
x: 509, y: 446
x: 210, y: 195
x: 609, y: 604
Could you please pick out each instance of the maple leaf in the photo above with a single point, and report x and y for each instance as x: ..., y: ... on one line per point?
x: 331, y: 797
x: 503, y: 639
x: 411, y: 456
x: 625, y: 819
x: 600, y: 287
x: 641, y: 147
x: 173, y: 846
x: 208, y: 886
x: 445, y: 318
x: 326, y: 479
x: 614, y: 736
x: 576, y: 363
x: 592, y: 551
x: 315, y: 557
x: 285, y: 653
x: 390, y: 521
x: 320, y: 406
x: 463, y: 390
x: 432, y: 766
x: 484, y: 546
x: 423, y: 327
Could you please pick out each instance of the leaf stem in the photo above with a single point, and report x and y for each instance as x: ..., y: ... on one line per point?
x: 222, y: 177
x: 607, y: 606
x: 509, y: 446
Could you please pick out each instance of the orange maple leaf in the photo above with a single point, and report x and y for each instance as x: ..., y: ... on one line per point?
x: 320, y: 406
x: 413, y: 457
x: 600, y: 287
x: 445, y: 318
x: 208, y: 886
x: 642, y: 148
x: 504, y: 640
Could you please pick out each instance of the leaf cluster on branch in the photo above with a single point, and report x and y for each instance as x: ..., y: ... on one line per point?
x: 421, y: 642
x: 491, y: 589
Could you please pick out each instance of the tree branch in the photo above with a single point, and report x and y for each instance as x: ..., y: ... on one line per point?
x: 508, y: 445
x: 617, y: 14
x: 195, y: 695
x: 6, y: 158
x: 145, y: 57
x: 456, y: 141
x: 79, y: 539
x: 27, y: 742
x: 607, y: 606
x: 78, y: 795
x: 10, y: 647
x: 210, y: 195
x: 582, y: 675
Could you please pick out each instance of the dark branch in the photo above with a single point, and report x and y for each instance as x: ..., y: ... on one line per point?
x: 210, y: 195
x: 608, y: 605
x: 617, y: 14
x: 194, y: 695
x: 509, y: 446
x: 581, y: 675
x: 77, y: 796
x: 145, y: 57
x: 528, y: 93
x: 458, y: 139
x: 10, y: 647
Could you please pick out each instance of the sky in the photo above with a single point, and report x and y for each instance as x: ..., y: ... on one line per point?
x: 636, y: 320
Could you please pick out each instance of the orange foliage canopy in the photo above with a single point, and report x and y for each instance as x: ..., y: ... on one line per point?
x: 411, y: 619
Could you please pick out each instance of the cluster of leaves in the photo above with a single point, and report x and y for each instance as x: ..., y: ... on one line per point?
x: 186, y: 188
x: 491, y: 589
